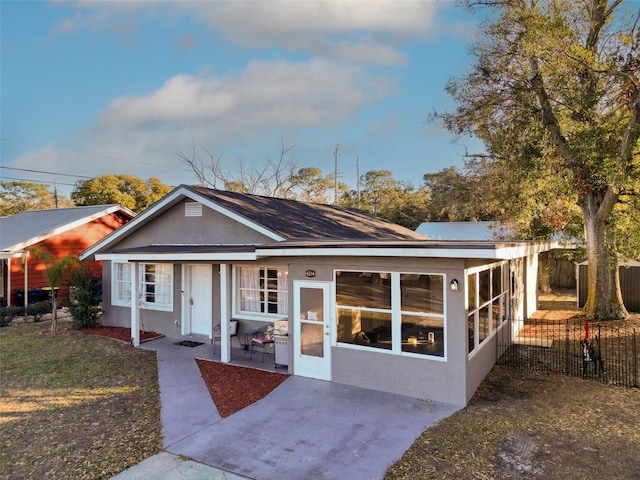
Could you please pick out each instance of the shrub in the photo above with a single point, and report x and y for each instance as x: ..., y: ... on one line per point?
x: 38, y: 309
x: 7, y: 314
x: 84, y: 300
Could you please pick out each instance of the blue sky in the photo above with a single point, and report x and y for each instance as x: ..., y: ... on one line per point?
x: 92, y: 88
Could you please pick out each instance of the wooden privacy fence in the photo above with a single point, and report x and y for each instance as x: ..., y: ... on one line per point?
x: 603, y: 351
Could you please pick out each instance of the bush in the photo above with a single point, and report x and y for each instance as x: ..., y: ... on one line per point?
x: 38, y: 309
x: 7, y: 314
x: 84, y: 300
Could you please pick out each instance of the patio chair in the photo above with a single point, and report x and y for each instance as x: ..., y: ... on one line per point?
x: 263, y: 340
x: 233, y: 333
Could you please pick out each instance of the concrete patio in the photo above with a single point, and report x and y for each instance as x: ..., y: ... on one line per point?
x: 304, y: 429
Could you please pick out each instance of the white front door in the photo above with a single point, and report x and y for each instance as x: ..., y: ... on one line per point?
x: 198, y: 300
x: 312, y: 315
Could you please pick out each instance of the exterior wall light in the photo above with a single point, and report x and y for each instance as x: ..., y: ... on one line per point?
x: 453, y: 285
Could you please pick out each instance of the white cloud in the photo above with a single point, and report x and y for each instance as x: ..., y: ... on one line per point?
x: 363, y: 32
x: 278, y: 22
x: 264, y: 96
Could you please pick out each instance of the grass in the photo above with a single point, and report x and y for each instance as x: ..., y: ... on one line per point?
x: 74, y: 406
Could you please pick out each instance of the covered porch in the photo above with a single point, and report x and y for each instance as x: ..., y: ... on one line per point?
x: 203, y: 348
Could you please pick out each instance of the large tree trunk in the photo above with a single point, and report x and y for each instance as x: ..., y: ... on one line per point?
x: 604, y: 300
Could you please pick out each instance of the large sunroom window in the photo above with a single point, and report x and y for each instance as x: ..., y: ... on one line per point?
x: 487, y: 293
x: 263, y: 290
x: 401, y: 312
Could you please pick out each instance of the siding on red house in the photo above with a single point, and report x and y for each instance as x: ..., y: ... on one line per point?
x: 70, y: 242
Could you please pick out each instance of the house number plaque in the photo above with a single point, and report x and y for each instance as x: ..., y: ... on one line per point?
x: 310, y: 273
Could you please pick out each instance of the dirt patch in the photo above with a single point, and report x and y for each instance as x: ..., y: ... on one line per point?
x: 528, y: 425
x: 233, y: 388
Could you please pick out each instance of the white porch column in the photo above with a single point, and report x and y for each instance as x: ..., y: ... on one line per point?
x: 225, y: 344
x: 135, y: 306
x: 9, y: 282
x: 26, y: 285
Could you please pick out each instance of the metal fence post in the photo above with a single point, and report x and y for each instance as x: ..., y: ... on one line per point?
x: 634, y: 347
x: 566, y: 350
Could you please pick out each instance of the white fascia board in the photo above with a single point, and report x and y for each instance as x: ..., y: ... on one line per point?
x: 517, y: 251
x: 4, y: 255
x: 378, y: 252
x: 175, y: 257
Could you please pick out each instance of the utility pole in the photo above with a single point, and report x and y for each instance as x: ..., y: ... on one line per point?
x: 335, y: 175
x: 55, y: 194
x: 358, y: 179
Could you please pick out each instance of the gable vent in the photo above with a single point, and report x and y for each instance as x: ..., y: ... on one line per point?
x: 192, y: 209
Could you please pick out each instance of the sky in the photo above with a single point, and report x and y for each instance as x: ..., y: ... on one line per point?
x: 90, y: 88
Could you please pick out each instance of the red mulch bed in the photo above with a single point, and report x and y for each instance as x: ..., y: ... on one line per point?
x: 121, y: 334
x: 233, y: 388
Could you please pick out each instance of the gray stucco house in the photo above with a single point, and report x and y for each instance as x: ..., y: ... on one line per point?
x: 368, y: 303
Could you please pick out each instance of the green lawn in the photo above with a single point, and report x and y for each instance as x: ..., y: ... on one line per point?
x: 74, y: 406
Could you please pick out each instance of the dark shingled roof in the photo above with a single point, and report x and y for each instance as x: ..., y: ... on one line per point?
x: 296, y: 220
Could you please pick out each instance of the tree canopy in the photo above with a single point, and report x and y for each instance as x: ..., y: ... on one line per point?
x: 17, y: 196
x: 554, y: 93
x: 126, y: 190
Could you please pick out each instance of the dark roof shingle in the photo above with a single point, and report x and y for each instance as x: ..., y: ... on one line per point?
x: 296, y: 220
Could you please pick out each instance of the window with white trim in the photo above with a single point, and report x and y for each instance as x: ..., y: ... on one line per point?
x: 262, y: 290
x: 487, y: 293
x: 121, y: 284
x: 156, y: 286
x: 401, y: 312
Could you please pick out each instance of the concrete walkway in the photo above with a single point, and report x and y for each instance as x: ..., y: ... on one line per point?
x: 304, y: 429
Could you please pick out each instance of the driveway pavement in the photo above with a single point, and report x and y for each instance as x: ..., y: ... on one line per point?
x: 304, y: 429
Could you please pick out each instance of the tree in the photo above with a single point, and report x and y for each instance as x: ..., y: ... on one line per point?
x: 84, y: 301
x: 387, y: 198
x: 56, y: 272
x: 311, y: 186
x: 273, y: 178
x: 18, y: 196
x: 126, y: 190
x: 555, y: 91
x: 453, y: 196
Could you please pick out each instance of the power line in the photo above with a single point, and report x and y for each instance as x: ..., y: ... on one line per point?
x: 44, y: 172
x: 37, y: 181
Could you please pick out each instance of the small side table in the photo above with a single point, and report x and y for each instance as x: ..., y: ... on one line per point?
x: 248, y: 336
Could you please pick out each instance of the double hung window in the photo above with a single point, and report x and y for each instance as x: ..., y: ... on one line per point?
x: 262, y: 290
x: 121, y: 284
x: 155, y: 285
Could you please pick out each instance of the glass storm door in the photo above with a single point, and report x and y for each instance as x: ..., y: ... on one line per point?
x: 312, y: 330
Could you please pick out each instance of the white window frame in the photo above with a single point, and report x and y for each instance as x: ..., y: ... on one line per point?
x: 396, y: 313
x: 119, y: 286
x: 281, y: 292
x: 494, y: 324
x: 168, y: 273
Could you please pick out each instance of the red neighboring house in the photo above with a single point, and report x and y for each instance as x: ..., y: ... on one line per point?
x: 61, y: 232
